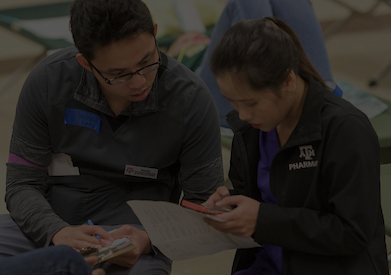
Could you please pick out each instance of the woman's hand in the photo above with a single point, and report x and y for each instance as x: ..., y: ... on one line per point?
x: 241, y: 221
x: 217, y: 196
x: 139, y: 237
x: 83, y: 236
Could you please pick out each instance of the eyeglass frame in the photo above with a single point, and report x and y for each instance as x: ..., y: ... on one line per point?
x: 108, y: 81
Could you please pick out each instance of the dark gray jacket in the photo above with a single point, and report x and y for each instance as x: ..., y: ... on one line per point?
x: 168, y: 142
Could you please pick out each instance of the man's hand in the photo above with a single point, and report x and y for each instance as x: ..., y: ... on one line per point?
x: 82, y: 236
x: 242, y: 220
x: 98, y: 271
x: 91, y: 261
x: 139, y: 237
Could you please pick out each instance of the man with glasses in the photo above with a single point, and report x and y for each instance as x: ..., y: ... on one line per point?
x: 109, y: 120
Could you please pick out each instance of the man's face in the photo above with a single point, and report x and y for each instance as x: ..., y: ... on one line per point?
x: 124, y: 57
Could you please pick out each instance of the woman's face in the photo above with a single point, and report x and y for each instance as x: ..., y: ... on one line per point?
x: 264, y: 109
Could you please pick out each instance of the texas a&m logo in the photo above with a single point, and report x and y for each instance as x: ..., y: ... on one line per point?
x: 307, y: 153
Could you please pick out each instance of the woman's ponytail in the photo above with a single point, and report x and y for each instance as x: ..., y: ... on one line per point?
x: 262, y: 52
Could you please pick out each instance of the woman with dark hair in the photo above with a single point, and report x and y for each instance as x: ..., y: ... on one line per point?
x: 304, y: 163
x: 299, y: 15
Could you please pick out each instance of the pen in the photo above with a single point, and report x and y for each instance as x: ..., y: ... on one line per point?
x: 91, y: 223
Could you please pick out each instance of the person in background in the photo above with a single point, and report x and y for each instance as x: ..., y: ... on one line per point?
x: 106, y: 121
x: 305, y: 163
x: 299, y: 15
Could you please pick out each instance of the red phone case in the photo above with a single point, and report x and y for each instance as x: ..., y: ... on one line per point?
x: 200, y: 208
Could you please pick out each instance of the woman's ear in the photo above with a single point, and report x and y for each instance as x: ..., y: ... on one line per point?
x: 290, y: 82
x: 83, y: 62
x: 155, y: 27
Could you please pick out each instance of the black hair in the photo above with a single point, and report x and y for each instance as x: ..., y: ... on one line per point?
x: 262, y: 52
x: 97, y: 23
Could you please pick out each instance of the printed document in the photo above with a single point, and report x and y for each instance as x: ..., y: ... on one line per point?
x: 181, y: 233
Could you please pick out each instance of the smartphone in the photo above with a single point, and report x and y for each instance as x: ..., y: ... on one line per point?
x: 202, y: 209
x: 209, y: 213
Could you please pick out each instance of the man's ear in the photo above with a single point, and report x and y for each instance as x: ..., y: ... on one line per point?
x: 155, y: 27
x: 290, y: 82
x: 83, y: 62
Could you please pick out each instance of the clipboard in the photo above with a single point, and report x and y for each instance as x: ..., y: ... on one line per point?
x: 117, y: 248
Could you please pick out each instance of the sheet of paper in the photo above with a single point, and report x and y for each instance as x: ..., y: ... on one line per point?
x: 62, y: 165
x: 181, y: 233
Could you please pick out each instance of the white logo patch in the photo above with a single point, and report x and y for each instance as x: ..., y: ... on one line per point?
x: 142, y: 172
x: 307, y: 152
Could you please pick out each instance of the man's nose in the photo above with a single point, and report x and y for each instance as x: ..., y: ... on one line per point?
x: 137, y: 81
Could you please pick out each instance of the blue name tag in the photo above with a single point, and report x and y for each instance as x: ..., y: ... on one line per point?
x: 83, y: 119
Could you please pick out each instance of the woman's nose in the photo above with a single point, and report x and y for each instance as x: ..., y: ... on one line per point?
x: 244, y: 114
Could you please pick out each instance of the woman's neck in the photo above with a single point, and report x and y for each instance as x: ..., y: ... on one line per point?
x: 297, y: 100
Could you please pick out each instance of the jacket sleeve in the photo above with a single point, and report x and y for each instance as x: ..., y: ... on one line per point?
x: 349, y: 216
x: 200, y: 158
x: 30, y: 155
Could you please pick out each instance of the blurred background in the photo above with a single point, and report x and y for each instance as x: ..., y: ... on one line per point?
x: 358, y: 52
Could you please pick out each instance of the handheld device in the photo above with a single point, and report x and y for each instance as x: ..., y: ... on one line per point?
x: 201, y: 208
x: 209, y: 212
x: 117, y: 248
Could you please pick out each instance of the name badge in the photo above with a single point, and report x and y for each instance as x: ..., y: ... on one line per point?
x: 142, y: 172
x: 82, y: 118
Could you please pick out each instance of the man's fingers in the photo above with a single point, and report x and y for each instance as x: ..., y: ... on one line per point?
x: 102, y: 233
x: 98, y: 271
x: 91, y: 261
x: 96, y: 231
x: 82, y: 244
x: 122, y: 232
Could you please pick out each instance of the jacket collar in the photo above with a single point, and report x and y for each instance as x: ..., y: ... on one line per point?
x: 309, y: 125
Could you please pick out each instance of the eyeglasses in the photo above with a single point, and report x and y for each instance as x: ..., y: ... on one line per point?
x: 126, y: 77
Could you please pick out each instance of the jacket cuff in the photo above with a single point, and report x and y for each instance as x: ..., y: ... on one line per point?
x: 52, y: 232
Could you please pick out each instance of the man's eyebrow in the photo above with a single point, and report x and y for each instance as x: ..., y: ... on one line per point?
x: 148, y: 54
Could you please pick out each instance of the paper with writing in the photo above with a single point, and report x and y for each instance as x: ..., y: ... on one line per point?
x: 181, y: 233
